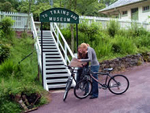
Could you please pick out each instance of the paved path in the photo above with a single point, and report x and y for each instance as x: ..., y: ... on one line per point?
x: 135, y: 100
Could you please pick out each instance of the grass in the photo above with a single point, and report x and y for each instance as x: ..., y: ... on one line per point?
x: 20, y: 78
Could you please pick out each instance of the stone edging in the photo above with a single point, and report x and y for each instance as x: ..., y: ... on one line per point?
x: 120, y: 64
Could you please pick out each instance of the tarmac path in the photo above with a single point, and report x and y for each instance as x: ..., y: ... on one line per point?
x: 135, y: 100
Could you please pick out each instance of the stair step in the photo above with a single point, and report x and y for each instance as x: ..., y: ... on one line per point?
x: 50, y: 38
x: 54, y: 63
x: 52, y: 47
x: 50, y: 50
x: 57, y: 86
x: 49, y: 44
x: 64, y: 80
x: 56, y: 66
x: 53, y: 60
x: 53, y: 56
x: 52, y: 53
x: 57, y: 75
x: 45, y: 41
x: 57, y: 71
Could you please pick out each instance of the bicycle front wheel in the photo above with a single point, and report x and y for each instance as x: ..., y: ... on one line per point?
x: 118, y: 84
x: 68, y: 86
x: 83, y: 89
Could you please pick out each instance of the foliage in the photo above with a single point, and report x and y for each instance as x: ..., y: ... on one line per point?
x: 6, y: 30
x: 19, y: 78
x: 113, y: 27
x: 118, y: 42
x: 36, y: 9
x: 4, y: 51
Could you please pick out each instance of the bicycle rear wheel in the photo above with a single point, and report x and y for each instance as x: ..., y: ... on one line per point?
x: 83, y: 89
x: 68, y: 86
x: 118, y: 84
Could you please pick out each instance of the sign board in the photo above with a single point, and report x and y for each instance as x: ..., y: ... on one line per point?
x: 60, y: 15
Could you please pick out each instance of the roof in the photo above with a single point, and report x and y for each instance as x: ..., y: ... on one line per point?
x: 120, y: 3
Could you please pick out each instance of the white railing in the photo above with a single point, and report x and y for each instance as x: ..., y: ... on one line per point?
x: 20, y: 19
x: 61, y: 43
x: 38, y: 50
x: 37, y: 44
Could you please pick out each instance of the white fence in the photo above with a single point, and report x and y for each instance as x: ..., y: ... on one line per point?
x: 123, y: 23
x: 104, y: 21
x: 20, y: 19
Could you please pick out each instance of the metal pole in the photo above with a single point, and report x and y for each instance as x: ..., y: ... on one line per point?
x: 77, y: 36
x: 42, y: 52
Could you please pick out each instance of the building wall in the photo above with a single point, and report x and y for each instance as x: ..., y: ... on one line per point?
x: 142, y: 16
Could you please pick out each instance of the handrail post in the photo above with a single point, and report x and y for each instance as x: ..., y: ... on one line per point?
x: 57, y: 37
x: 65, y: 53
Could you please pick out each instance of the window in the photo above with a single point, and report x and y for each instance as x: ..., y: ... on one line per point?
x: 124, y: 13
x: 146, y: 9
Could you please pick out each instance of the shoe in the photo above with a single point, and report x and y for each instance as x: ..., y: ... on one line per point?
x: 92, y: 97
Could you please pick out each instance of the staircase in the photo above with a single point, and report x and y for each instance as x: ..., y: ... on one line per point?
x: 55, y: 72
x: 56, y: 54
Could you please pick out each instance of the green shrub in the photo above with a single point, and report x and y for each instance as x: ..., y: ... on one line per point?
x: 113, y: 27
x: 123, y: 45
x: 8, y: 69
x: 136, y: 30
x: 6, y: 24
x: 4, y: 51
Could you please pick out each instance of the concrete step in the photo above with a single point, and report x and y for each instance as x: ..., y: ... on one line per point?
x: 57, y: 81
x: 56, y: 71
x: 52, y: 53
x: 56, y: 66
x: 53, y: 56
x: 50, y: 50
x: 54, y: 60
x: 53, y: 44
x: 55, y: 86
x: 49, y: 47
x: 57, y: 75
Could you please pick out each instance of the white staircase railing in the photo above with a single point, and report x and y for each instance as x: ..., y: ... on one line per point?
x: 61, y: 43
x: 37, y: 44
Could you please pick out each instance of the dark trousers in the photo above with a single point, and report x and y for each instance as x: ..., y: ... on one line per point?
x: 95, y: 84
x: 81, y: 72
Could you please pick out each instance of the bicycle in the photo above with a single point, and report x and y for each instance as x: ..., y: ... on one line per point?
x: 69, y: 82
x: 117, y: 84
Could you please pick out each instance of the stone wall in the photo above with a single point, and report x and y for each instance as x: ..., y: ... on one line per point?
x: 120, y: 64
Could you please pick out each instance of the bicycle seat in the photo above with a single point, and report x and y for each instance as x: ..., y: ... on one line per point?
x: 108, y: 69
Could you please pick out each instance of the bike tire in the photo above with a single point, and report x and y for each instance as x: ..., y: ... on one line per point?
x: 83, y: 89
x: 68, y: 86
x: 120, y: 87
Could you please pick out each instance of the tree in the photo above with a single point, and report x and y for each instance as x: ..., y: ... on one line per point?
x: 107, y: 2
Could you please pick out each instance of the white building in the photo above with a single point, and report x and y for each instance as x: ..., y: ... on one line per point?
x: 129, y: 10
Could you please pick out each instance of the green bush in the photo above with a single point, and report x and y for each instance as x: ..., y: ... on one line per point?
x: 123, y: 45
x: 113, y: 27
x: 17, y: 79
x: 6, y: 24
x: 8, y: 69
x: 125, y: 41
x: 4, y: 51
x: 136, y: 30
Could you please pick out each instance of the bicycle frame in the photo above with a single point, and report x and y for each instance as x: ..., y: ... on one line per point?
x: 104, y: 86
